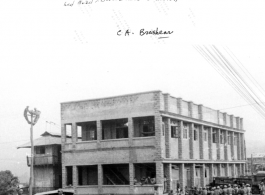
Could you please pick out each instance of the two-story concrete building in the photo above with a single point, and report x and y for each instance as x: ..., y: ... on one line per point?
x: 128, y: 138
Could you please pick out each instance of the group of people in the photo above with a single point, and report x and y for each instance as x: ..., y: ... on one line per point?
x: 145, y: 181
x: 243, y: 189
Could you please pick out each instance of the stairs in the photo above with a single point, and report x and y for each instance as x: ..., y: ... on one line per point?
x: 114, y: 177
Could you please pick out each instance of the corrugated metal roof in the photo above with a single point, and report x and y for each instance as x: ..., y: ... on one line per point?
x: 48, y: 138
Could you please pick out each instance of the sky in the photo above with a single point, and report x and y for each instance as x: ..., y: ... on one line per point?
x: 52, y: 53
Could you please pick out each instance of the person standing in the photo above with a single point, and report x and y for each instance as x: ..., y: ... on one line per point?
x: 248, y: 189
x: 262, y: 188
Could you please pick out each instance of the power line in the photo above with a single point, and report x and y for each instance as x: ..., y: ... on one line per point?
x: 224, y: 67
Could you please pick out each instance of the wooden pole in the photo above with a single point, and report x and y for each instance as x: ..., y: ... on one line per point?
x: 32, y: 157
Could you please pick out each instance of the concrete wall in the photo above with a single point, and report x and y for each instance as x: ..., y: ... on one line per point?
x: 208, y: 114
x: 214, y: 151
x: 186, y: 148
x: 109, y: 108
x: 174, y: 148
x: 222, y: 152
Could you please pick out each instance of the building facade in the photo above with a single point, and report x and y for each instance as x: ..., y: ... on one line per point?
x: 47, y: 167
x: 127, y: 143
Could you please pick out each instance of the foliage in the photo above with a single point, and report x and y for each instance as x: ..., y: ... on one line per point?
x: 8, y: 183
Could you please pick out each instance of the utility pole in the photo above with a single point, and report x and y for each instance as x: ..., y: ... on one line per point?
x: 34, y: 117
x: 251, y: 165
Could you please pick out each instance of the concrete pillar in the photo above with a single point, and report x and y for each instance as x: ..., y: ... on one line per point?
x: 233, y: 169
x: 225, y: 145
x: 168, y: 137
x: 244, y: 168
x: 180, y: 141
x: 211, y: 172
x: 63, y: 132
x: 232, y: 146
x: 168, y: 173
x: 159, y: 137
x: 203, y: 175
x: 201, y: 131
x: 224, y: 118
x: 232, y: 121
x: 226, y: 169
x: 218, y: 143
x: 243, y: 147
x: 237, y: 122
x: 181, y: 175
x: 210, y: 142
x: 99, y: 133
x: 192, y: 174
x: 166, y: 100
x: 241, y: 124
x: 64, y: 176
x: 74, y: 135
x: 238, y: 147
x: 100, y: 178
x: 240, y: 169
x: 179, y: 105
x: 190, y: 107
x: 160, y: 173
x: 75, y: 176
x: 131, y: 176
x: 219, y: 167
x: 218, y: 117
x: 191, y: 136
x: 200, y: 109
x: 131, y: 135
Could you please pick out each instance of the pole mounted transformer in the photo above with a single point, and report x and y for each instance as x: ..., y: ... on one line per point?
x: 34, y: 117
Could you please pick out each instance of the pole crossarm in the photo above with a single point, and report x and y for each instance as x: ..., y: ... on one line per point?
x: 33, y: 113
x: 34, y: 117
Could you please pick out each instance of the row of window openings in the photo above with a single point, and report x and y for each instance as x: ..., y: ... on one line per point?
x: 118, y: 174
x: 143, y: 127
x: 113, y: 174
x: 175, y: 133
x: 112, y: 129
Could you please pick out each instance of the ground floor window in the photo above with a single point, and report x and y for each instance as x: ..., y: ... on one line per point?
x: 88, y: 175
x: 69, y: 175
x: 144, y: 174
x: 116, y: 174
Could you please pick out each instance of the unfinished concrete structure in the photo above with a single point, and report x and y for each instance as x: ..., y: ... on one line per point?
x: 129, y: 138
x: 47, y: 162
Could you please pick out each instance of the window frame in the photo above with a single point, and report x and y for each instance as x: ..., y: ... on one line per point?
x: 40, y: 150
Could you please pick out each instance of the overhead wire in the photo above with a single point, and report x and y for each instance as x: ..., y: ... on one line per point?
x: 222, y: 65
x: 241, y: 66
x: 237, y: 78
x: 241, y: 79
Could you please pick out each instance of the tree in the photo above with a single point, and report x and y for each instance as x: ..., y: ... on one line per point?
x: 8, y: 183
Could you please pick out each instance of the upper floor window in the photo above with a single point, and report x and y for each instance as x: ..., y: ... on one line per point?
x: 115, y: 129
x: 205, y: 136
x: 174, y: 129
x: 196, y: 132
x: 40, y: 149
x: 214, y: 136
x: 144, y: 126
x: 87, y: 131
x: 185, y: 130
